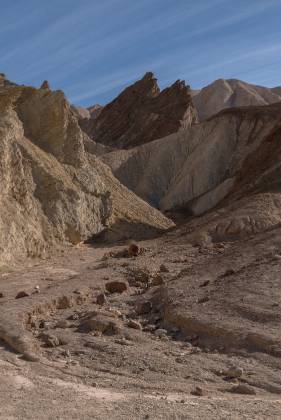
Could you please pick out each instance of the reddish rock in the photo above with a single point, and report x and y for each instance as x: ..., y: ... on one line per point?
x: 133, y: 250
x: 116, y: 286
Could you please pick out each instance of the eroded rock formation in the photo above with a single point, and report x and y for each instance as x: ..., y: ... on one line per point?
x: 142, y: 113
x: 235, y: 154
x: 52, y: 191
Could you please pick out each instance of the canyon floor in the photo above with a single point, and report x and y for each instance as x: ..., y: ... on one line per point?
x: 195, y: 335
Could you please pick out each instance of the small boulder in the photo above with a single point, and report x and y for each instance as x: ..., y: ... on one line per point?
x: 242, y: 389
x: 157, y: 280
x: 50, y: 340
x: 197, y: 391
x: 21, y: 294
x: 1, y: 295
x: 101, y: 299
x: 143, y: 307
x: 134, y: 324
x: 116, y: 286
x: 234, y: 372
x: 102, y: 324
x: 161, y: 332
x: 133, y: 250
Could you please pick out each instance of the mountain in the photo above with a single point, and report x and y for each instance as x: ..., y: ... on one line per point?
x: 142, y: 113
x: 52, y: 191
x: 223, y: 94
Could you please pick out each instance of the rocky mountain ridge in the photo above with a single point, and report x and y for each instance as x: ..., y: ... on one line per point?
x: 230, y: 93
x: 142, y: 113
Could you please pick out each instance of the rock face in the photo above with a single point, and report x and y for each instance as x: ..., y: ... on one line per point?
x: 223, y: 94
x: 4, y: 82
x: 52, y: 191
x: 236, y: 153
x: 142, y: 113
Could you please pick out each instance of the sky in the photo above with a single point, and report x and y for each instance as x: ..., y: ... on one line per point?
x: 92, y: 49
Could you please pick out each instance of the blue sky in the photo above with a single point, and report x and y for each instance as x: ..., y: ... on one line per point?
x: 92, y: 49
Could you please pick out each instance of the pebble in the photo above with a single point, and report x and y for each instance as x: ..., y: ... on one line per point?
x: 134, y: 324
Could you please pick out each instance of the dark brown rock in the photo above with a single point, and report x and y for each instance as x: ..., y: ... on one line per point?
x: 116, y: 286
x: 101, y: 299
x: 198, y: 391
x: 142, y: 113
x: 21, y: 294
x: 133, y: 250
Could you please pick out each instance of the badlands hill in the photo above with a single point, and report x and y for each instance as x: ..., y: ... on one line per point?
x: 141, y: 113
x: 230, y: 93
x: 235, y: 154
x: 52, y: 191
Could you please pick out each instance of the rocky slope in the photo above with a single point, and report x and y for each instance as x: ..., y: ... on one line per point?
x: 142, y: 113
x: 223, y: 94
x: 52, y: 191
x: 236, y: 154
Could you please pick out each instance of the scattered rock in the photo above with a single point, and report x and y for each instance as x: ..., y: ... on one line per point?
x: 139, y: 275
x: 198, y: 391
x: 116, y: 286
x: 50, y: 340
x: 242, y: 389
x: 102, y: 324
x: 157, y: 280
x: 134, y: 324
x: 143, y: 307
x: 101, y: 299
x: 22, y: 294
x: 234, y: 372
x: 160, y: 332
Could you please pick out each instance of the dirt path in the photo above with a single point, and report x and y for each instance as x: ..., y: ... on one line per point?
x: 138, y: 356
